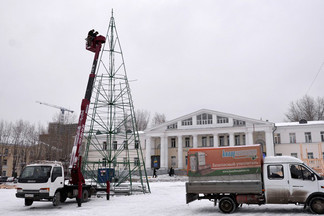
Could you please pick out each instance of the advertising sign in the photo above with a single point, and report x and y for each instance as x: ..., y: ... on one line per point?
x: 238, y: 160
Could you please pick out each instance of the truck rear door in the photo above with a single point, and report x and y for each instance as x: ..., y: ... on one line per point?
x: 276, y: 183
x: 301, y: 184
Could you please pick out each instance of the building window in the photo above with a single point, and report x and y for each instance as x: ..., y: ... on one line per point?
x: 6, y: 152
x: 136, y: 161
x: 308, y: 137
x: 221, y: 141
x: 211, y: 141
x: 173, y: 126
x: 237, y: 139
x: 186, y: 158
x: 173, y: 161
x: 136, y: 144
x: 278, y: 154
x: 294, y: 155
x: 204, y: 119
x: 310, y: 155
x: 125, y: 144
x: 277, y: 138
x: 104, y: 145
x: 238, y: 122
x: 4, y: 173
x: 292, y: 137
x: 173, y: 142
x: 243, y: 138
x: 204, y: 141
x: 322, y: 136
x: 5, y: 162
x: 222, y: 120
x: 115, y: 145
x: 187, y: 142
x: 125, y: 161
x: 186, y: 122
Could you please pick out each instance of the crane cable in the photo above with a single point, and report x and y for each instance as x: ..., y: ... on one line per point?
x: 315, y: 77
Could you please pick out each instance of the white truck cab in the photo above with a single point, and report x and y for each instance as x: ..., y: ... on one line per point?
x: 289, y: 180
x: 41, y: 181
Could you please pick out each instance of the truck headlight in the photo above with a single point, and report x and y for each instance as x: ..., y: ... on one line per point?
x: 19, y: 190
x: 44, y: 190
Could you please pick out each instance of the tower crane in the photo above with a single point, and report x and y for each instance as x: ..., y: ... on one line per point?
x: 61, y: 120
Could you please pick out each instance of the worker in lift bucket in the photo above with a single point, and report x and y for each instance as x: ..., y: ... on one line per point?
x: 91, y: 35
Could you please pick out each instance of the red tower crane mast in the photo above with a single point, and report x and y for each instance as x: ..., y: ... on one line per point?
x: 93, y: 44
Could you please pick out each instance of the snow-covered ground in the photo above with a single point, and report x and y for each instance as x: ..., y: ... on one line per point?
x: 167, y: 197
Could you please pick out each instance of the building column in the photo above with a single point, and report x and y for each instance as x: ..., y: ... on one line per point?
x: 216, y: 140
x: 180, y: 152
x: 231, y: 139
x: 164, y: 154
x: 148, y: 153
x: 195, y: 141
x: 269, y: 144
x: 249, y: 138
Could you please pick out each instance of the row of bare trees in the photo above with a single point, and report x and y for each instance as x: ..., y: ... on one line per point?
x: 24, y: 142
x: 307, y: 108
x: 143, y: 119
x: 16, y: 140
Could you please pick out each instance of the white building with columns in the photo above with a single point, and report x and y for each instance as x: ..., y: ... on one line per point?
x: 203, y: 128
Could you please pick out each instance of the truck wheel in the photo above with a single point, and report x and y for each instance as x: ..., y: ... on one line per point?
x: 85, y: 196
x: 63, y: 197
x: 317, y: 205
x: 28, y: 202
x: 56, y: 198
x: 227, y: 205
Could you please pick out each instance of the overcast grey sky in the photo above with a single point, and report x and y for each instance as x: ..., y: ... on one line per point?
x: 249, y: 58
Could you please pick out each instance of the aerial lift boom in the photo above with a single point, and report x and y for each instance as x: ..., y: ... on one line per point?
x: 94, y: 44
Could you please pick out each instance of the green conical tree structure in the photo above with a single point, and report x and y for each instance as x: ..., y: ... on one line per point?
x: 113, y: 149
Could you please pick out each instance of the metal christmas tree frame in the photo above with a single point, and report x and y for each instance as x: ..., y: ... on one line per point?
x: 113, y: 151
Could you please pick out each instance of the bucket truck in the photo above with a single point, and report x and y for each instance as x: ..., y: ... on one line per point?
x: 45, y: 180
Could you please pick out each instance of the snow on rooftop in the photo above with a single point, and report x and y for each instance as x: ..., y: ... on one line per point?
x: 283, y: 124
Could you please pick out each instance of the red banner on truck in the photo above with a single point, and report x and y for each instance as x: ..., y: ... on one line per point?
x: 236, y: 160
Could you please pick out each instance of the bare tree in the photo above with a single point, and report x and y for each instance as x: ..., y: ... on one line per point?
x: 158, y: 119
x: 142, y: 119
x: 19, y: 138
x: 18, y: 141
x: 306, y: 108
x: 5, y: 136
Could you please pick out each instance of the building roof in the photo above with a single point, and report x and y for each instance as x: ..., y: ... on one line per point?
x: 285, y: 124
x: 201, y: 111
